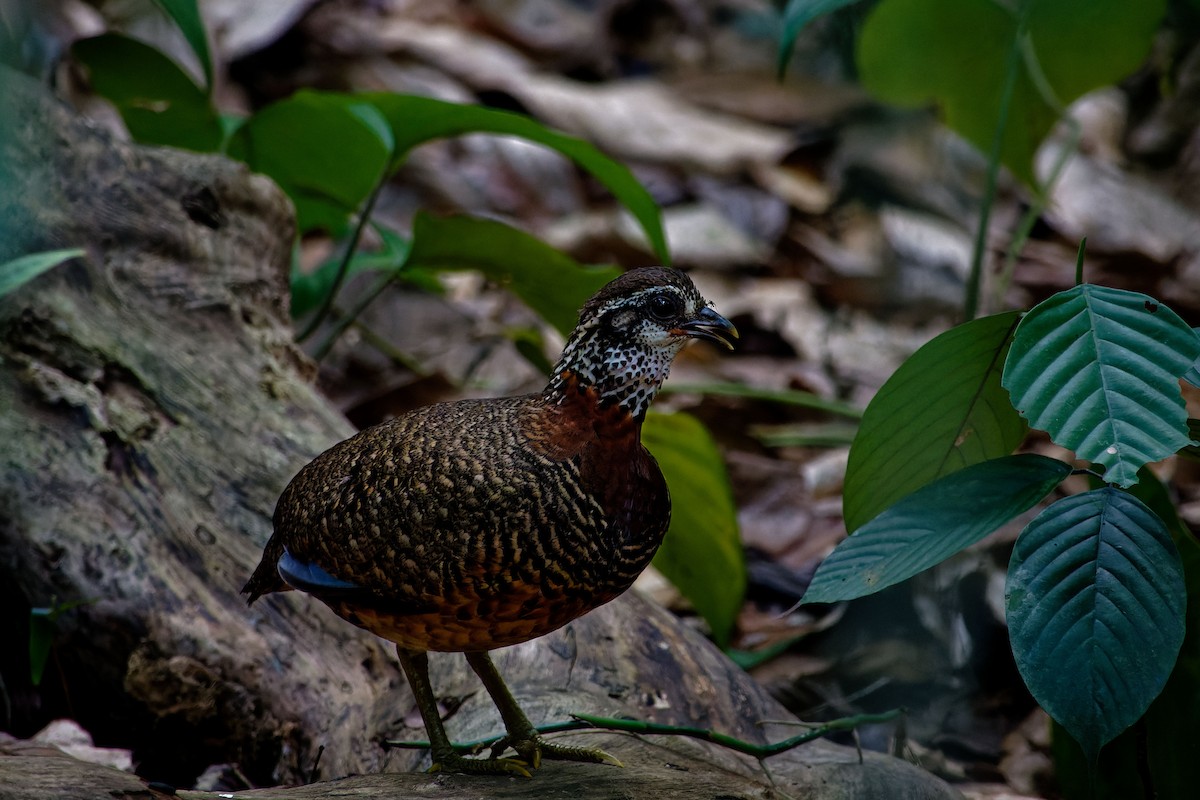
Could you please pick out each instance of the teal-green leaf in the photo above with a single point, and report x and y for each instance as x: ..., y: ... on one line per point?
x: 417, y: 120
x: 955, y: 52
x: 187, y: 17
x: 943, y: 409
x: 933, y: 523
x: 1165, y: 745
x: 796, y: 15
x: 1095, y: 604
x: 25, y: 268
x: 1098, y: 369
x: 547, y: 280
x: 157, y: 100
x: 327, y: 151
x: 702, y: 554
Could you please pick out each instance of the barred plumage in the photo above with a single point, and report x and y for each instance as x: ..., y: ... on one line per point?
x: 473, y: 525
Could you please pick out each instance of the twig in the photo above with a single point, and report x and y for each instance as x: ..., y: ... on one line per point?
x: 580, y: 722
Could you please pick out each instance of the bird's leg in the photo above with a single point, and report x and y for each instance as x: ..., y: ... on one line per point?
x: 522, y: 736
x: 416, y: 668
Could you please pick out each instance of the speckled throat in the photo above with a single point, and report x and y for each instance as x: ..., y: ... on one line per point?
x: 625, y: 370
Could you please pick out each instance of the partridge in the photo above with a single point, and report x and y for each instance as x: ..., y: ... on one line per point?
x: 478, y: 524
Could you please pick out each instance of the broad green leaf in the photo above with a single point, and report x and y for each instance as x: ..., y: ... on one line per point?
x: 550, y: 282
x: 1095, y: 603
x: 329, y: 167
x: 417, y: 120
x: 955, y: 53
x: 187, y: 17
x: 942, y: 410
x: 932, y: 524
x: 1167, y: 736
x: 327, y: 151
x: 157, y: 100
x: 796, y: 16
x: 21, y: 270
x: 1098, y: 369
x: 702, y: 554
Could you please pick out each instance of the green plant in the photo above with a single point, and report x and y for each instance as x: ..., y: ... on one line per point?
x: 1097, y: 591
x: 333, y: 153
x: 1098, y: 583
x: 25, y: 268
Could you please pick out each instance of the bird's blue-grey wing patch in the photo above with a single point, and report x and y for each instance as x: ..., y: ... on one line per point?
x: 308, y: 577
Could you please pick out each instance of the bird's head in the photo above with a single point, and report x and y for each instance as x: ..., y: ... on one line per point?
x: 630, y: 332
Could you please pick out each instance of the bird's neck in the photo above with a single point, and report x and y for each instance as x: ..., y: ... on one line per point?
x: 627, y: 378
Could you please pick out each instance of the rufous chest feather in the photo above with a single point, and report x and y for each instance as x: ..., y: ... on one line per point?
x: 605, y: 442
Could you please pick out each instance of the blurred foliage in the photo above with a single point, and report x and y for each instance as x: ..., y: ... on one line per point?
x: 956, y: 54
x: 25, y: 268
x: 702, y: 554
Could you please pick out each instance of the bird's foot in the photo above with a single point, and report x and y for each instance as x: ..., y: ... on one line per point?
x: 532, y: 748
x: 453, y: 762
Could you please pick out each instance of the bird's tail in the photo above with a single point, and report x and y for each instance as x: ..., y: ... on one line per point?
x: 266, y: 576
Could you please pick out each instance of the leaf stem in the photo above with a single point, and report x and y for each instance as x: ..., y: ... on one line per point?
x: 344, y: 267
x: 1012, y: 69
x: 581, y: 722
x: 1079, y: 261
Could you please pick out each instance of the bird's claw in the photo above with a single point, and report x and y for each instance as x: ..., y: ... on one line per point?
x: 482, y: 766
x: 533, y: 748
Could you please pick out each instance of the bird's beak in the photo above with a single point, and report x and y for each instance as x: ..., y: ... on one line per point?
x: 710, y: 325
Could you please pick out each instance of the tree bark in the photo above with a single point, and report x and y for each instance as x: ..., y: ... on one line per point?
x: 153, y: 409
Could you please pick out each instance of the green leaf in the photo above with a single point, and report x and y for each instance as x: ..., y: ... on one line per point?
x: 932, y: 524
x: 796, y: 16
x: 42, y: 629
x: 1167, y: 738
x: 548, y: 281
x: 25, y: 268
x: 787, y: 397
x: 187, y: 18
x: 327, y: 151
x: 702, y: 554
x: 310, y: 288
x: 1098, y: 369
x: 157, y: 100
x: 955, y: 52
x: 1095, y: 602
x: 417, y: 120
x: 41, y: 639
x: 942, y: 410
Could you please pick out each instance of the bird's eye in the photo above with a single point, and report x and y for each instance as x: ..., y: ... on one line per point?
x: 664, y: 307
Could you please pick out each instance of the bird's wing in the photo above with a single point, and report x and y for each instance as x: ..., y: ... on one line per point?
x: 430, y: 504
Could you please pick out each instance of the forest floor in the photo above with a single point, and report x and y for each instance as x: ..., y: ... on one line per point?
x: 834, y: 231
